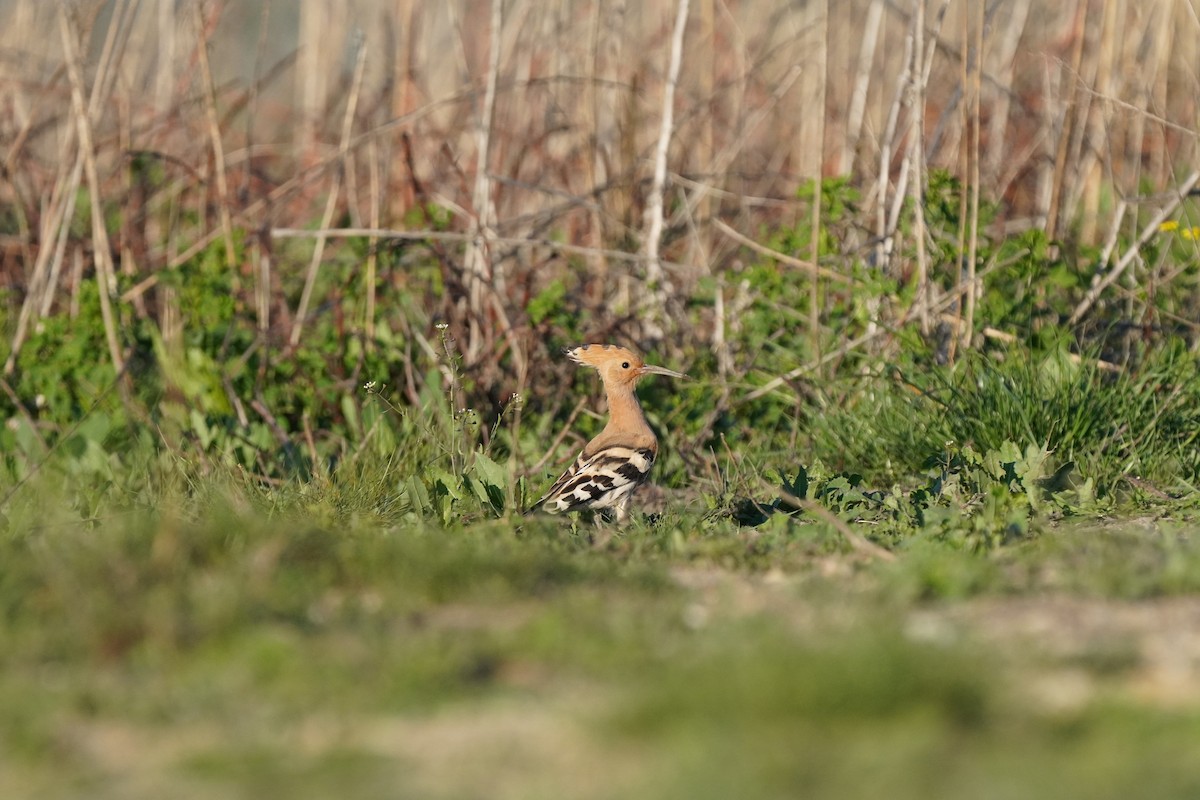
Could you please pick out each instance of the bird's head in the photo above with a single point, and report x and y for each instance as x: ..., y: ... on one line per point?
x: 616, y: 365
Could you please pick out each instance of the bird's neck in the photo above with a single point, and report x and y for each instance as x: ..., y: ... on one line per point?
x: 625, y: 413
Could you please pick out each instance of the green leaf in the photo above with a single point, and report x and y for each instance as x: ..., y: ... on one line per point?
x: 488, y: 471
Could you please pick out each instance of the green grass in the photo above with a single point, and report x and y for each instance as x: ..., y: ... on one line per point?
x: 221, y: 640
x: 1140, y: 421
x: 977, y: 579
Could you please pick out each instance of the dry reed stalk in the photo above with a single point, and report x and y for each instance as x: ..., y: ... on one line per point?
x: 262, y: 287
x: 316, y: 31
x: 165, y: 73
x: 252, y: 98
x: 974, y: 180
x: 76, y: 281
x: 60, y: 232
x: 1097, y: 157
x: 1003, y: 56
x: 883, y: 223
x: 102, y: 253
x: 55, y: 228
x: 1102, y: 282
x: 917, y: 155
x: 707, y: 81
x: 862, y: 84
x: 551, y: 245
x: 720, y: 348
x: 1153, y: 95
x: 335, y: 188
x: 589, y: 122
x: 479, y: 271
x: 1177, y: 44
x: 1070, y: 118
x: 127, y: 235
x: 374, y: 167
x: 967, y: 110
x: 170, y: 322
x: 214, y: 134
x: 654, y: 303
x: 816, y: 171
x: 1184, y: 131
x: 1114, y: 231
x: 61, y: 206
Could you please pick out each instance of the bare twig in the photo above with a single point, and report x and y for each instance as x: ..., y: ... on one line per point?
x: 478, y: 268
x: 1070, y: 119
x: 452, y: 236
x: 858, y: 99
x: 917, y: 154
x: 1103, y: 281
x: 853, y: 538
x: 973, y: 159
x: 102, y: 251
x: 214, y: 136
x: 314, y: 264
x: 885, y: 224
x: 814, y: 239
x: 562, y: 434
x: 655, y: 276
x: 376, y: 193
x: 812, y: 269
x: 943, y: 302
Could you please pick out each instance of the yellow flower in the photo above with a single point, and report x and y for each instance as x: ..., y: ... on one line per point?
x: 1168, y: 226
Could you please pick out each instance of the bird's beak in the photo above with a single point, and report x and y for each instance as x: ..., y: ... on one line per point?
x: 653, y: 370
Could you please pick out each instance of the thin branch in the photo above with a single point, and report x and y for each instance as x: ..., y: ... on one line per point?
x: 654, y: 202
x: 812, y: 269
x: 856, y: 540
x: 331, y: 202
x: 1099, y: 284
x: 214, y: 135
x: 101, y: 250
x: 477, y: 265
x: 943, y: 302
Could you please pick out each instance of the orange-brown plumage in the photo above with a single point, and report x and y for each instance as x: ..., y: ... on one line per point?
x: 614, y: 464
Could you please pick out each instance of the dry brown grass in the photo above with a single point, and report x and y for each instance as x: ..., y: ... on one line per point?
x: 359, y: 114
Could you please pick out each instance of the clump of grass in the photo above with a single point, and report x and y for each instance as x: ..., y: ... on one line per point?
x: 1114, y: 423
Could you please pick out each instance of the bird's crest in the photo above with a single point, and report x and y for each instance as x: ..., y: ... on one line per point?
x: 598, y: 355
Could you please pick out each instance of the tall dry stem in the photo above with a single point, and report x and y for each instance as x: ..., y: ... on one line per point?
x: 815, y: 166
x: 331, y: 200
x: 862, y: 84
x: 974, y: 177
x: 214, y: 134
x: 102, y: 251
x: 1103, y: 280
x: 478, y: 266
x: 1070, y: 119
x: 885, y: 223
x: 654, y: 304
x: 917, y: 154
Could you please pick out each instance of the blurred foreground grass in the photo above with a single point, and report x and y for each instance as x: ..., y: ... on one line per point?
x: 296, y: 644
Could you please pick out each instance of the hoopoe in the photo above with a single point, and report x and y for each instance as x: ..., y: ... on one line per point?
x: 614, y: 464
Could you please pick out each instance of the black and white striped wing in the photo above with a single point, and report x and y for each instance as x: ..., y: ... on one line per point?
x: 602, y: 480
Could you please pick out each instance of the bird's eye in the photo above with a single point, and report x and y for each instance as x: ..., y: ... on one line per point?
x: 624, y: 365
